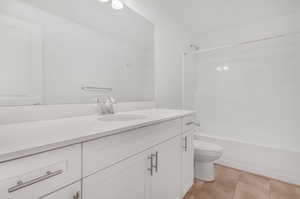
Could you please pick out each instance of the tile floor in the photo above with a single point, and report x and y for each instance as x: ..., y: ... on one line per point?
x: 235, y: 184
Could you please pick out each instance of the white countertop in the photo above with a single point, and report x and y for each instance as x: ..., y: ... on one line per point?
x: 22, y: 139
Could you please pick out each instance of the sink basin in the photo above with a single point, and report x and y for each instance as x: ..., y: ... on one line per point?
x: 121, y: 117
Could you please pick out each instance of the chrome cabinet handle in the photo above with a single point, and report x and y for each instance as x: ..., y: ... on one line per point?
x: 156, y: 161
x: 21, y: 184
x: 77, y: 195
x: 151, y: 164
x: 185, y: 143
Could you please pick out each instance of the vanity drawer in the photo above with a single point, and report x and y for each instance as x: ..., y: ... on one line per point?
x: 188, y: 123
x: 104, y: 152
x: 37, y: 175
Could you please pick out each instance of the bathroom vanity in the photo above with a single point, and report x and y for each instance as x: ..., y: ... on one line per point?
x: 145, y: 154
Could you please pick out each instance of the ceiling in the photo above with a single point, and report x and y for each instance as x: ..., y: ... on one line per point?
x: 200, y: 16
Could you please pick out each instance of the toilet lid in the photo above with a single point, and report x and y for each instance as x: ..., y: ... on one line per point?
x: 204, y: 146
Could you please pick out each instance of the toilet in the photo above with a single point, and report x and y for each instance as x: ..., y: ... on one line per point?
x: 205, y: 156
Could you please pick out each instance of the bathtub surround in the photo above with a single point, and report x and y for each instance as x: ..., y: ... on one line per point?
x: 255, y: 101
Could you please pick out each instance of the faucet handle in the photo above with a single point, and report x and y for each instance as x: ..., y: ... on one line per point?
x: 112, y: 100
x: 101, y: 100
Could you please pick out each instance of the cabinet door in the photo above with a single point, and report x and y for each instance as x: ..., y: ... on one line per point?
x: 128, y: 179
x: 70, y: 192
x: 35, y: 176
x: 187, y: 171
x: 166, y: 175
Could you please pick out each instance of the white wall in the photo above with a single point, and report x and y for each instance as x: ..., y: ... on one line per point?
x: 190, y: 81
x: 256, y: 100
x: 170, y: 41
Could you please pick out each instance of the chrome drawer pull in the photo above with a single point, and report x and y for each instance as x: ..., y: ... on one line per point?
x: 156, y: 161
x: 151, y: 164
x: 21, y: 184
x: 185, y: 143
x: 77, y: 195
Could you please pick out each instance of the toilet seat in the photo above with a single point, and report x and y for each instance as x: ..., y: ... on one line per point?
x: 207, y: 149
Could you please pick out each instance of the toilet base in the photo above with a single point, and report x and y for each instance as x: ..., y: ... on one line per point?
x: 204, y: 171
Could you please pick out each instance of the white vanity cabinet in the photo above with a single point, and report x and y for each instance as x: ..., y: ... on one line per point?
x: 149, y: 162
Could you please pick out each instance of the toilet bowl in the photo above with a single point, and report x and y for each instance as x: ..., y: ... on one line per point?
x: 205, y: 155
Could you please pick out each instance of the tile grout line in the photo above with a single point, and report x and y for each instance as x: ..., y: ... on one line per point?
x: 236, y: 185
x: 269, y: 181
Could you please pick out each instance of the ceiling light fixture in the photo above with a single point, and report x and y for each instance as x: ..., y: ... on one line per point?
x: 104, y: 1
x: 117, y: 4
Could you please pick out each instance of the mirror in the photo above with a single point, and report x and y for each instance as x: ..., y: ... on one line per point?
x: 53, y: 50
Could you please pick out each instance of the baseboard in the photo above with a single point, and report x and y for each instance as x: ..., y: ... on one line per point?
x: 267, y: 161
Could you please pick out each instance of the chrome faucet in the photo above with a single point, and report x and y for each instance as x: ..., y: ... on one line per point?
x: 105, y: 105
